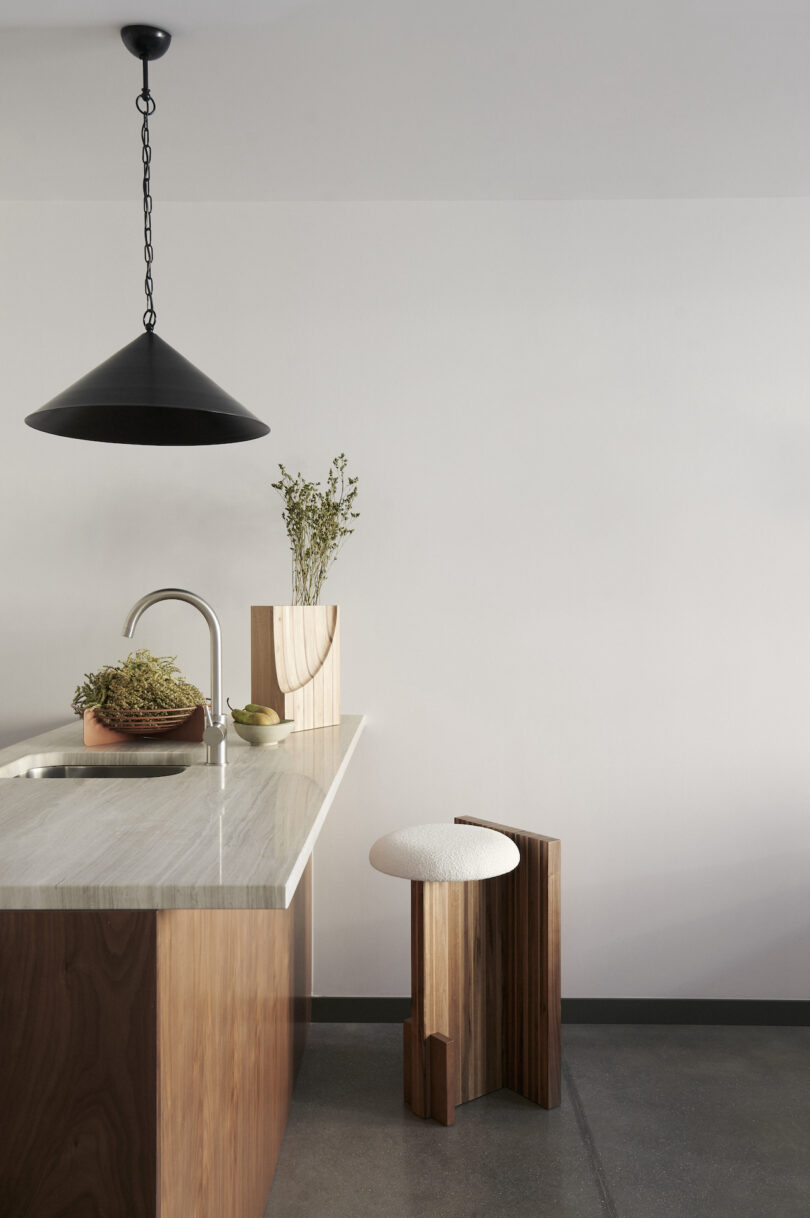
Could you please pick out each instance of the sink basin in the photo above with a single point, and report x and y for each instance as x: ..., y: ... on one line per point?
x: 103, y: 771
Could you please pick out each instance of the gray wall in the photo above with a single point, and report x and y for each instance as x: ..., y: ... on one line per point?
x: 578, y: 596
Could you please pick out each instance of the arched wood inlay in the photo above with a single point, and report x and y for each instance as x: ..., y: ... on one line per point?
x: 303, y: 639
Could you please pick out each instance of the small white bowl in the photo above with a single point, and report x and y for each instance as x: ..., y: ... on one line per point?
x: 264, y: 733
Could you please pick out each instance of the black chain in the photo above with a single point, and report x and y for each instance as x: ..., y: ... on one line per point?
x: 146, y: 106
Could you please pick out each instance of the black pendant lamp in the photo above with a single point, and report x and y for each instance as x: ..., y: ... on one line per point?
x: 147, y: 393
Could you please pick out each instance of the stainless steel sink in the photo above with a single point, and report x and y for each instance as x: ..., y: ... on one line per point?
x: 103, y: 771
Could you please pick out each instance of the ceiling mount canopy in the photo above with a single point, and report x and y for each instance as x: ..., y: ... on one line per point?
x: 146, y: 41
x: 147, y: 393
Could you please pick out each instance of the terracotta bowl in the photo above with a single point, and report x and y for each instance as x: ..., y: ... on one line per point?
x: 144, y: 722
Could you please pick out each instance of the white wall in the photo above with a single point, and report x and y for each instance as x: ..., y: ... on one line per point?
x: 412, y: 99
x: 578, y: 599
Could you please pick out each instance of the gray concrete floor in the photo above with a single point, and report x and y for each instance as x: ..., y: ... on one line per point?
x: 692, y: 1122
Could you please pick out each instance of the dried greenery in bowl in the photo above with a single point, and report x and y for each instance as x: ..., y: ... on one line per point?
x: 140, y: 682
x: 318, y: 522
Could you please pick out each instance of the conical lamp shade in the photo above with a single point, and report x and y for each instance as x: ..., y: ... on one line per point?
x: 147, y: 393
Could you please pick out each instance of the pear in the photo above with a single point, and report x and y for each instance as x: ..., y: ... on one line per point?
x: 254, y: 708
x: 257, y: 716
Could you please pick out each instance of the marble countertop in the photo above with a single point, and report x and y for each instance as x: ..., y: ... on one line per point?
x: 233, y: 837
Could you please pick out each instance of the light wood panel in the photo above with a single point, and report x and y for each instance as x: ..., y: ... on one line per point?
x: 77, y: 1064
x: 227, y: 1052
x: 302, y: 965
x: 295, y: 662
x: 485, y: 978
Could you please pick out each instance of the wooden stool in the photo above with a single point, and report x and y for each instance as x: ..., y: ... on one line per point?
x: 485, y: 962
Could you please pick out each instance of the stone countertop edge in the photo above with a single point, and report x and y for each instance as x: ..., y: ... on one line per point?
x: 315, y: 832
x: 204, y: 839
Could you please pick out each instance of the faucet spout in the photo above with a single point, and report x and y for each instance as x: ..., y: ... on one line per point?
x: 215, y: 734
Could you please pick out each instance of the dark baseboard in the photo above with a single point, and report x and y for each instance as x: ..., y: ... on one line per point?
x: 360, y: 1010
x: 740, y: 1011
x: 730, y: 1011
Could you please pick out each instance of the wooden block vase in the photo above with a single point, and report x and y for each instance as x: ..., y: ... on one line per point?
x: 295, y: 662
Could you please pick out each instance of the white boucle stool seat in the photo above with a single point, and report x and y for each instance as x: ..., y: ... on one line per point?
x: 442, y: 852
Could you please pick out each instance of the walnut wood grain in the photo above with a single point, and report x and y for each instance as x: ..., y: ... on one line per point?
x: 147, y: 1058
x: 227, y: 1052
x: 485, y: 977
x: 407, y: 1062
x: 442, y: 1078
x: 529, y: 900
x: 422, y: 964
x: 429, y: 1053
x: 476, y: 964
x: 295, y: 662
x: 77, y: 1064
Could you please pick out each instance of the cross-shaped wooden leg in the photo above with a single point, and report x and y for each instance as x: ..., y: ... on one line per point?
x: 485, y: 984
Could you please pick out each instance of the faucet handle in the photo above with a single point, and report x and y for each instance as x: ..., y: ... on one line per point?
x: 214, y: 732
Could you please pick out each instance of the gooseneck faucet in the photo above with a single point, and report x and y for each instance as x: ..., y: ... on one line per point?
x: 215, y: 731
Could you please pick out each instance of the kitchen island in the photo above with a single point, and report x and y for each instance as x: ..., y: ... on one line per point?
x: 155, y: 972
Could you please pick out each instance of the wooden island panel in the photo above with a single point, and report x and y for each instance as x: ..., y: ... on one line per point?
x: 230, y: 984
x: 77, y: 1064
x: 147, y: 1058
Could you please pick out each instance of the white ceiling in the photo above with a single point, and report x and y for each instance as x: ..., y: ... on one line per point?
x: 175, y: 15
x: 410, y: 99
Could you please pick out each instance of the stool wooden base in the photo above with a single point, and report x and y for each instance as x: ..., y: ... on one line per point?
x: 485, y: 984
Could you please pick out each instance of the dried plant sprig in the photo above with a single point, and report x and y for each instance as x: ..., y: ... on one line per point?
x: 140, y: 682
x: 318, y: 522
